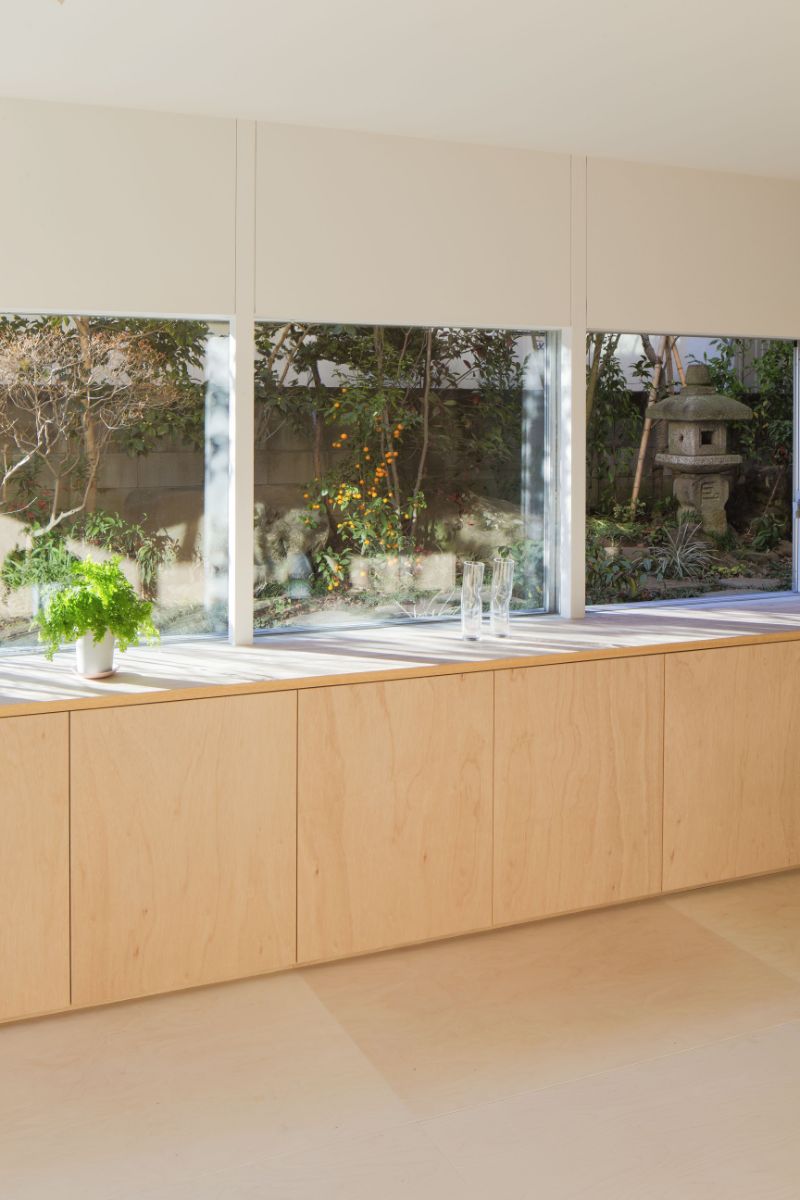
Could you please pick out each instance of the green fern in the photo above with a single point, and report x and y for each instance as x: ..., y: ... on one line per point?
x: 97, y: 599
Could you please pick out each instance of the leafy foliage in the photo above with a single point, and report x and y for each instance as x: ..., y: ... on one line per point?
x: 613, y: 415
x: 71, y: 385
x: 46, y: 561
x: 767, y: 531
x: 399, y: 421
x: 96, y: 599
x: 684, y: 554
x: 768, y: 437
x: 528, y: 556
x: 613, y: 578
x: 109, y: 531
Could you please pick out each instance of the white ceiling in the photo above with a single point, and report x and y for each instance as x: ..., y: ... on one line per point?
x: 698, y: 82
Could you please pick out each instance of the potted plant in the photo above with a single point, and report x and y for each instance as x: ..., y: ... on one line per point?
x: 96, y: 608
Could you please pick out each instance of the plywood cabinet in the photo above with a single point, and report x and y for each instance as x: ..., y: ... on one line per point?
x: 578, y: 749
x: 34, y: 865
x: 731, y: 763
x: 183, y: 844
x: 150, y: 847
x: 394, y: 813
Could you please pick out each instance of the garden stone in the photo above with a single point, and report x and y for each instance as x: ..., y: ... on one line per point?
x: 697, y: 446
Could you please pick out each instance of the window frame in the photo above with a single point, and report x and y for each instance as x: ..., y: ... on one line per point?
x: 553, y: 351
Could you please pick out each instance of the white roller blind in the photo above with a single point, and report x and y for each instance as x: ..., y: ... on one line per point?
x: 103, y: 210
x: 356, y: 227
x: 672, y: 249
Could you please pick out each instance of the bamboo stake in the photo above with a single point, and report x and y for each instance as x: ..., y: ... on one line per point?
x: 655, y: 383
x: 676, y: 354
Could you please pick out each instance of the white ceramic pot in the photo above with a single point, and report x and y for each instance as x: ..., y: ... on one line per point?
x: 95, y: 660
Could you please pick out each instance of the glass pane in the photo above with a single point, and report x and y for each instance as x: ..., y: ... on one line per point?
x: 114, y: 436
x: 385, y: 457
x: 696, y: 501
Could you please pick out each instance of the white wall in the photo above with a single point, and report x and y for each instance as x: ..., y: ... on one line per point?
x: 361, y: 228
x: 103, y: 210
x: 115, y: 211
x: 686, y: 251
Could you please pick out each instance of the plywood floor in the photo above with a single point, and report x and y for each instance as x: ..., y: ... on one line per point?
x: 650, y: 1052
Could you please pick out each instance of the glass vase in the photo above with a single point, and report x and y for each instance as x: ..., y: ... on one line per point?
x: 471, y: 600
x: 500, y: 605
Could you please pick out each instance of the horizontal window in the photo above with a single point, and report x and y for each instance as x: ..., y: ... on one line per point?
x: 689, y: 466
x: 114, y: 436
x: 386, y: 457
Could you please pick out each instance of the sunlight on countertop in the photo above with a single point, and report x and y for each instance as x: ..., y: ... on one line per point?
x: 26, y: 677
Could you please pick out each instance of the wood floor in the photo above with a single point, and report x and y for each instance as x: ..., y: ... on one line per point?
x: 647, y: 1052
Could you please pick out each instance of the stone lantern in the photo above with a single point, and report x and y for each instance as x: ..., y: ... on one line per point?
x: 697, y: 446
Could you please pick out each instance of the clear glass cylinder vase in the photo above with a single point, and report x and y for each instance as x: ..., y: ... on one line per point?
x: 471, y: 600
x: 500, y: 602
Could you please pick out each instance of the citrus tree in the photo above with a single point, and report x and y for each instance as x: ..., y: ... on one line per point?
x: 394, y: 416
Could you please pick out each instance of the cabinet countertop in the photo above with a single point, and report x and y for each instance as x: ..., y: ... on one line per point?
x: 203, y: 668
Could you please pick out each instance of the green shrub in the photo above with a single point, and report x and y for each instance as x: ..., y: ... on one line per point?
x: 683, y: 554
x: 767, y: 531
x: 613, y: 580
x: 96, y: 599
x: 725, y: 542
x: 108, y: 531
x: 47, y: 561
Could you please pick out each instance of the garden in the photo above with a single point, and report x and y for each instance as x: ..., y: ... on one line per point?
x: 408, y: 460
x: 385, y: 457
x: 642, y: 544
x: 88, y: 407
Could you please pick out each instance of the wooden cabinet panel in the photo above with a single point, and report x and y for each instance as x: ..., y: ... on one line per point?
x: 183, y: 844
x: 732, y: 763
x: 394, y: 813
x: 578, y: 756
x: 34, y: 865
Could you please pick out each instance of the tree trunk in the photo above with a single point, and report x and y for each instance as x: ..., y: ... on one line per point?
x: 596, y: 344
x: 665, y: 350
x: 90, y: 439
x: 378, y: 337
x: 317, y: 425
x: 423, y: 454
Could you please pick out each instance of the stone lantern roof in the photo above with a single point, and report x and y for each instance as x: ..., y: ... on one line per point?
x: 698, y: 401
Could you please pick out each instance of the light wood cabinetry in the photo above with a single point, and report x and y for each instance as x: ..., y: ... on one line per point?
x: 148, y: 847
x: 183, y: 844
x: 34, y: 865
x: 732, y: 763
x: 578, y: 755
x: 394, y: 813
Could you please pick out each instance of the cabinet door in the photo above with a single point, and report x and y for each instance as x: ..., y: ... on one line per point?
x: 732, y: 763
x: 578, y: 749
x: 34, y: 865
x: 183, y: 844
x: 394, y: 813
